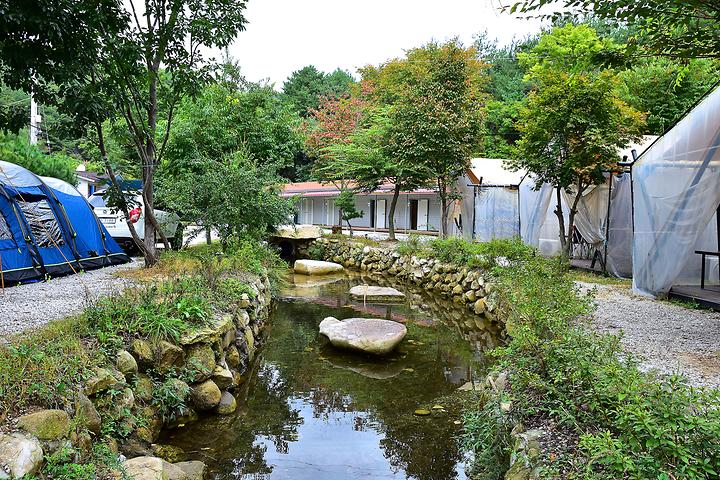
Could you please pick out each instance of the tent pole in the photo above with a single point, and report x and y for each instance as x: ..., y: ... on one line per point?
x: 607, y: 226
x: 717, y: 226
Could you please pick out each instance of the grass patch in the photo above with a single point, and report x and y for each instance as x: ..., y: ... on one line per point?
x: 44, y: 368
x: 590, y: 277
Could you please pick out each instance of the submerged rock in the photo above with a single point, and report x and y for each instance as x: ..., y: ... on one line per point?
x: 368, y: 335
x: 20, y: 455
x: 195, y: 469
x: 375, y: 293
x: 153, y: 468
x: 227, y: 404
x: 316, y: 267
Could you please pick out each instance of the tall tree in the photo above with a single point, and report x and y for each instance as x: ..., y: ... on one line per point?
x: 574, y: 122
x: 676, y: 28
x: 306, y: 87
x: 436, y: 119
x: 367, y: 159
x: 132, y: 59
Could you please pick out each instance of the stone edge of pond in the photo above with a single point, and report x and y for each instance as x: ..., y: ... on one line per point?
x: 218, y: 357
x: 464, y: 286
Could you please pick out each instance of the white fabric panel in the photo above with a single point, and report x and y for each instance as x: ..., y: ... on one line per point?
x: 534, y: 204
x: 620, y: 237
x: 496, y: 213
x: 61, y: 186
x: 677, y: 190
x: 381, y: 213
x: 492, y: 171
x: 591, y: 216
x: 16, y: 176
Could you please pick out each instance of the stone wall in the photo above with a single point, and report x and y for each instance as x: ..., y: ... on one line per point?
x: 150, y: 385
x: 465, y: 286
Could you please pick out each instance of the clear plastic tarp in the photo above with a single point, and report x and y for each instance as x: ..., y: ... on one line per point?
x: 496, y: 213
x: 677, y: 191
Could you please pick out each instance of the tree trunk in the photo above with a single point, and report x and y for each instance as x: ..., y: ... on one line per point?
x: 391, y: 213
x: 561, y: 219
x: 442, y: 190
x: 571, y: 217
x: 113, y: 179
x: 208, y: 235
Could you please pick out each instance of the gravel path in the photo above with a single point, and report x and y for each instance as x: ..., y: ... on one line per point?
x: 665, y: 336
x: 28, y: 306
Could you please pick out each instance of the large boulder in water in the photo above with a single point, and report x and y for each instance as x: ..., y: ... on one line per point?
x: 373, y: 293
x: 316, y: 267
x: 369, y: 335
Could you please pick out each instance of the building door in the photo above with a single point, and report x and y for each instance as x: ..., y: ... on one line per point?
x: 423, y: 208
x: 372, y: 213
x: 380, y: 210
x: 413, y: 214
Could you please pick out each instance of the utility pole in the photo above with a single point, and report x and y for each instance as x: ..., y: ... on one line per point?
x: 34, y: 121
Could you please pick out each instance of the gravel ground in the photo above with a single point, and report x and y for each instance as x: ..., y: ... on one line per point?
x: 28, y: 306
x: 667, y: 337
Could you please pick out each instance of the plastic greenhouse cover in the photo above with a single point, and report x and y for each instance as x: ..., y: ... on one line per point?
x: 496, y: 213
x: 676, y: 193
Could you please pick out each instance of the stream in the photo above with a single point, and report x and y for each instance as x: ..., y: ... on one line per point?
x: 310, y: 411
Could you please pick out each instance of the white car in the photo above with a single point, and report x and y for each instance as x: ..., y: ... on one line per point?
x: 114, y: 220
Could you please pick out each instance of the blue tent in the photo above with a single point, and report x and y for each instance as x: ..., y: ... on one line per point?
x: 48, y: 229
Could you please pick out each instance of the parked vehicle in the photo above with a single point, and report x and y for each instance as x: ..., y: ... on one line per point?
x: 114, y: 220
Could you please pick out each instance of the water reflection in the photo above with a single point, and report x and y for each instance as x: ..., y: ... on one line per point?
x: 313, y: 412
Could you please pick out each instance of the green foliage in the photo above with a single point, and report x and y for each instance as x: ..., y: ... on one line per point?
x: 676, y: 28
x: 631, y: 424
x: 345, y: 202
x: 666, y: 89
x: 412, y: 245
x: 306, y: 87
x: 43, y: 367
x: 237, y: 194
x: 498, y: 252
x: 17, y: 149
x: 61, y: 465
x: 169, y: 398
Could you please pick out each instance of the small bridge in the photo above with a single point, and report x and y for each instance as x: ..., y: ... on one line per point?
x: 288, y: 238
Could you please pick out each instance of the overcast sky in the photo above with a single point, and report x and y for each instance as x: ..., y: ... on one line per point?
x: 285, y: 35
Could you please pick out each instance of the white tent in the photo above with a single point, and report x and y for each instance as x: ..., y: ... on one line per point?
x: 676, y: 185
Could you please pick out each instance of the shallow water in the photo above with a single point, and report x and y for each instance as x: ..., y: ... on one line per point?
x: 310, y: 411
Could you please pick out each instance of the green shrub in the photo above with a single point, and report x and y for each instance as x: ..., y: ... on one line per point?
x: 482, y: 255
x: 631, y: 424
x: 412, y: 245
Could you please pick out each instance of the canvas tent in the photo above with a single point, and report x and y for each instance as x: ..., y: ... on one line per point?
x: 676, y: 184
x: 47, y: 229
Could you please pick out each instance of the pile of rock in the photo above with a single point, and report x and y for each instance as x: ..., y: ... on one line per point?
x: 465, y: 286
x: 202, y: 369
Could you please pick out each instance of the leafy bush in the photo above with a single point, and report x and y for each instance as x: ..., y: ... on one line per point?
x: 412, y: 245
x: 16, y: 149
x: 483, y: 255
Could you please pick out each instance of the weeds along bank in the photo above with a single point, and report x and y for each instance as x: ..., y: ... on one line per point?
x: 563, y: 401
x: 80, y: 390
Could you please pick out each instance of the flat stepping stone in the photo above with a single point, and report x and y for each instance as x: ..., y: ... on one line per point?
x: 369, y: 335
x: 316, y: 267
x: 375, y: 293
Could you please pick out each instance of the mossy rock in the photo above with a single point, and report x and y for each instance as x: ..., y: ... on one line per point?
x: 169, y: 453
x: 101, y: 380
x: 87, y: 414
x: 46, y: 424
x: 144, y: 389
x: 205, y: 395
x: 200, y: 360
x: 168, y: 356
x: 143, y: 352
x: 126, y: 363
